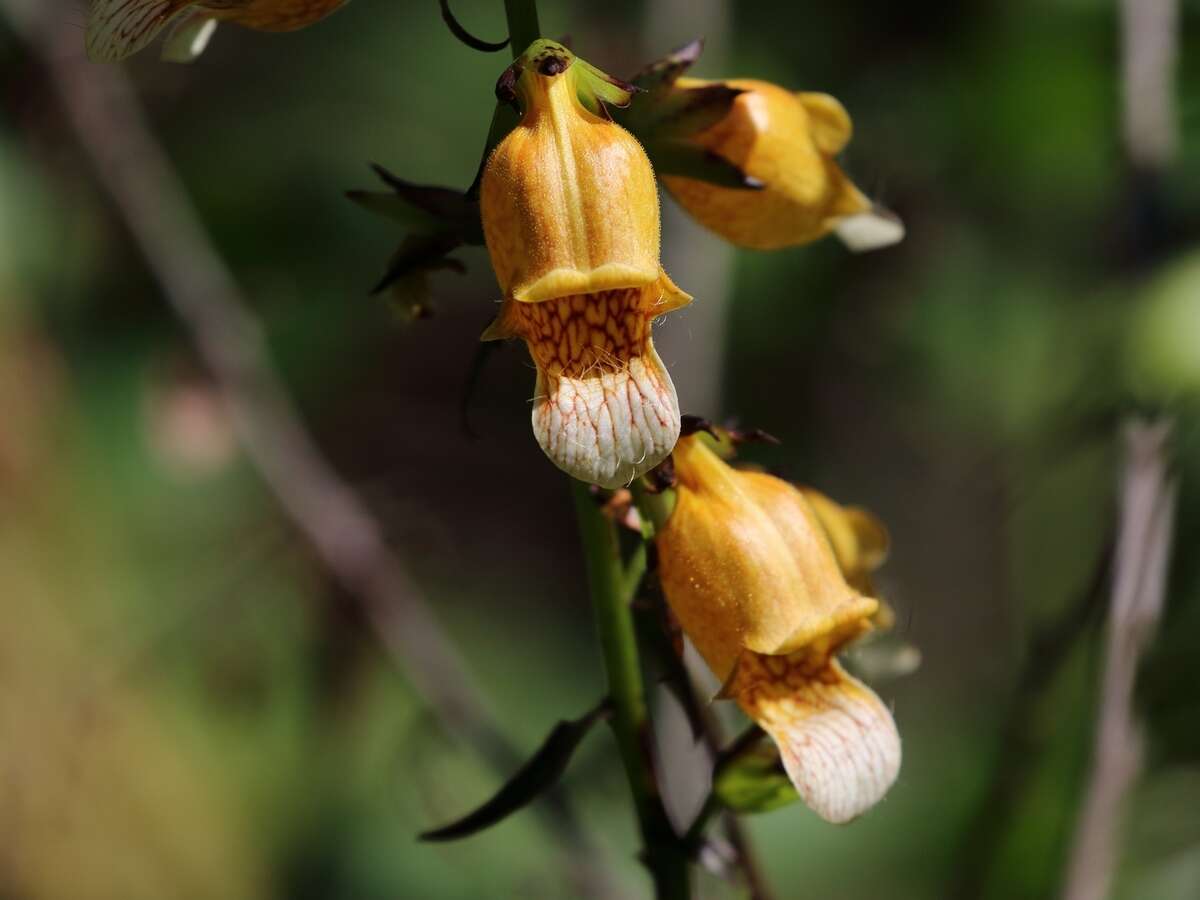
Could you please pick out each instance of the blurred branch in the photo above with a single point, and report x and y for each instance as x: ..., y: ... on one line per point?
x: 1150, y: 30
x: 1150, y: 50
x: 105, y: 114
x: 1016, y: 752
x: 1139, y: 589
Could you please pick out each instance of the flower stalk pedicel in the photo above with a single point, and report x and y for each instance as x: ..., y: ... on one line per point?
x: 571, y: 221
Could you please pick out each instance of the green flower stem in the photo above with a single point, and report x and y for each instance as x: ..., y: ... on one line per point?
x: 695, y: 834
x: 653, y: 508
x: 611, y: 591
x: 523, y: 28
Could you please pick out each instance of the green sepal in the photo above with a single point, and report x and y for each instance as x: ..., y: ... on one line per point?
x: 538, y: 775
x: 680, y: 113
x: 439, y: 220
x: 394, y: 208
x: 667, y: 118
x: 664, y: 72
x: 690, y: 160
x: 598, y: 90
x: 595, y: 88
x: 452, y: 210
x: 415, y: 259
x: 754, y: 780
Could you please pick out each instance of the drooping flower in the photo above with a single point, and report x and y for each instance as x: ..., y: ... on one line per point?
x: 571, y: 221
x: 117, y: 29
x: 750, y: 574
x: 787, y: 142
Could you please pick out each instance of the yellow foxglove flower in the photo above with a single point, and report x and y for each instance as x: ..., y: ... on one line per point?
x: 119, y: 28
x: 571, y: 221
x: 749, y: 572
x: 787, y: 141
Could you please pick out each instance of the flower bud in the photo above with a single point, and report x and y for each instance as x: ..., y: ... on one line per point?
x: 787, y: 141
x: 119, y: 28
x: 753, y: 580
x: 571, y: 221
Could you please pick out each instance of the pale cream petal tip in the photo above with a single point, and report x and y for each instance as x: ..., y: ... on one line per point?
x: 611, y: 425
x: 188, y: 39
x: 838, y: 741
x: 871, y: 230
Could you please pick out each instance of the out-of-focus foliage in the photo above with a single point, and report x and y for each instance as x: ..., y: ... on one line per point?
x: 186, y: 700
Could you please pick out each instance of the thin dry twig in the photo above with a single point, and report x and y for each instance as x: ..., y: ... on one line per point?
x: 106, y: 116
x: 1150, y: 37
x: 1150, y: 51
x: 1139, y: 587
x: 1018, y: 743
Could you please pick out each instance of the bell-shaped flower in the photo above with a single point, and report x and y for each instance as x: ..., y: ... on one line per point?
x: 119, y: 28
x: 750, y: 574
x: 571, y: 221
x: 787, y: 142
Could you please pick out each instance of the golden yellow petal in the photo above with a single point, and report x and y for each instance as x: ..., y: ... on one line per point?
x: 872, y: 537
x: 745, y: 565
x: 829, y: 122
x: 859, y: 540
x: 822, y: 604
x: 568, y: 200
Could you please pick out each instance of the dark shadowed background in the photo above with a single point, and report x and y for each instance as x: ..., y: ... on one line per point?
x: 243, y: 733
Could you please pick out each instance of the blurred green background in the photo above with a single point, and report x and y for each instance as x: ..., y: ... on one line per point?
x: 190, y: 708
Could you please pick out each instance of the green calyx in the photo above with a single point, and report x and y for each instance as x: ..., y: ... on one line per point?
x: 596, y: 90
x: 437, y: 220
x: 668, y: 116
x: 754, y: 781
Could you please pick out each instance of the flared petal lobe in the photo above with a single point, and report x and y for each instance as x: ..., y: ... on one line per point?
x: 838, y: 741
x: 753, y: 580
x: 787, y: 141
x: 119, y: 28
